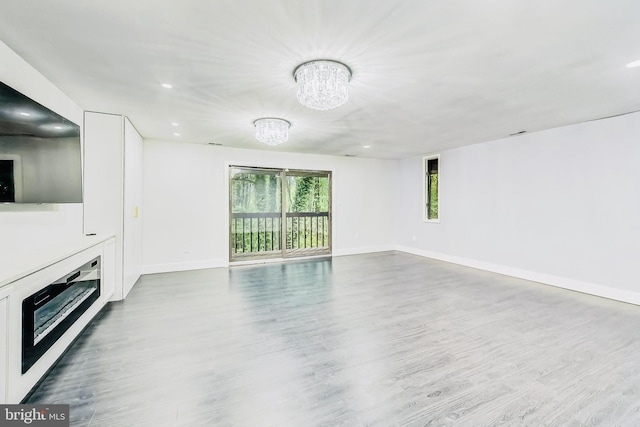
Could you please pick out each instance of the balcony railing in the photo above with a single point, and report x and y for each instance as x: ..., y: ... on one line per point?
x: 253, y: 233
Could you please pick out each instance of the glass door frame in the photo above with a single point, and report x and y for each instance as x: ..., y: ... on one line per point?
x: 284, y: 253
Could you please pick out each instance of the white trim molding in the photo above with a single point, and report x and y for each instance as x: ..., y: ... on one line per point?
x: 219, y: 263
x: 545, y: 279
x: 184, y: 266
x: 363, y: 250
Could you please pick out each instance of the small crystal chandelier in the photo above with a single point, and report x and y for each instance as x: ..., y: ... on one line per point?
x: 272, y: 131
x: 322, y: 84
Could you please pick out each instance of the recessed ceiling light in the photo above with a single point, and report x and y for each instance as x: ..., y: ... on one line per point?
x: 634, y: 64
x: 167, y: 85
x: 176, y: 134
x: 174, y: 124
x: 366, y: 146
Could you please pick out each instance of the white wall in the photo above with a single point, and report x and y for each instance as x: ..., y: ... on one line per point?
x: 186, y: 201
x: 24, y: 226
x: 560, y: 206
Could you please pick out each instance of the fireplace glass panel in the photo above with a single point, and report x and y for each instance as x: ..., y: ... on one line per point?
x: 49, y: 313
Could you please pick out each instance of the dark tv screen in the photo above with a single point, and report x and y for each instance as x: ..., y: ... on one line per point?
x: 40, y: 156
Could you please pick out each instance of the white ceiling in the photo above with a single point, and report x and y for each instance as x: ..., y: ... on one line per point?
x: 427, y: 74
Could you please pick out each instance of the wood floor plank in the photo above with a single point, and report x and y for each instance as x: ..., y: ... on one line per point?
x: 384, y: 339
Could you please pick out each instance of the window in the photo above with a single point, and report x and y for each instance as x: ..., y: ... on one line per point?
x: 431, y: 196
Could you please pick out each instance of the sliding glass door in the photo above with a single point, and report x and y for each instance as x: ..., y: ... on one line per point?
x: 307, y: 207
x: 256, y: 212
x: 278, y: 213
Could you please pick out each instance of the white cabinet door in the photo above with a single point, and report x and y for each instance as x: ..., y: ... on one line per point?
x: 103, y: 169
x: 3, y: 350
x: 103, y: 181
x: 132, y: 237
x: 109, y: 269
x: 113, y: 191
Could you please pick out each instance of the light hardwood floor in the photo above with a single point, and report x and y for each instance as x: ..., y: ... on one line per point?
x: 385, y: 339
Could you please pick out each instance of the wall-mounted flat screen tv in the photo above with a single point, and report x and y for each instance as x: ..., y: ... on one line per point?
x: 40, y: 156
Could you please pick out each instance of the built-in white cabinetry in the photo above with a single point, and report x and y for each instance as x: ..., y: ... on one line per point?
x: 3, y: 344
x: 109, y: 267
x: 51, y: 270
x: 113, y: 191
x: 132, y: 227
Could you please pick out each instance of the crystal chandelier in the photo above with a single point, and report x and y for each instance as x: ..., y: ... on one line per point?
x: 272, y: 131
x: 322, y: 84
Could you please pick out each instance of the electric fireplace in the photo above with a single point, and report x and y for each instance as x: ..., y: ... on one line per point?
x: 50, y: 312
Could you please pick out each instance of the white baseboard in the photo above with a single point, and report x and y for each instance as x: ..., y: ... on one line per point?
x: 364, y: 250
x: 183, y: 266
x: 276, y: 260
x: 547, y: 279
x: 201, y: 265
